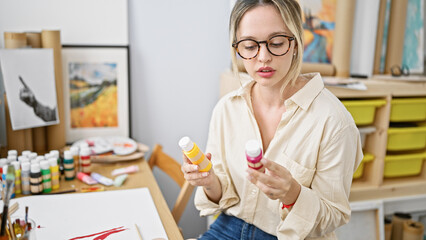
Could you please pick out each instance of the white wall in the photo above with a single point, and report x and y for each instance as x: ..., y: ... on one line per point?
x: 179, y: 49
x: 82, y: 22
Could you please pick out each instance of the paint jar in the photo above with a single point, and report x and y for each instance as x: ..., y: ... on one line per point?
x: 76, y: 157
x: 195, y: 155
x: 69, y: 166
x: 3, y: 162
x: 254, y: 154
x: 24, y: 230
x: 54, y: 171
x: 46, y: 176
x: 4, y: 181
x: 32, y: 156
x: 36, y: 180
x: 11, y: 159
x: 85, y: 160
x: 25, y: 178
x: 17, y: 167
x: 55, y: 154
x: 26, y: 153
x: 12, y: 153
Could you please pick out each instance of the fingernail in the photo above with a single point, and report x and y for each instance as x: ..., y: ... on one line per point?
x: 205, y: 174
x: 263, y: 160
x: 195, y: 167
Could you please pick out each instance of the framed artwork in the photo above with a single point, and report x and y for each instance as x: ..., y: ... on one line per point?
x: 96, y: 91
x: 29, y: 82
x: 319, y: 17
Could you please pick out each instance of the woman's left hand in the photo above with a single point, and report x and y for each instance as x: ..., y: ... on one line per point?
x: 276, y: 182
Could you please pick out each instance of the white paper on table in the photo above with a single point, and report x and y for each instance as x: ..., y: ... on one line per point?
x: 67, y: 216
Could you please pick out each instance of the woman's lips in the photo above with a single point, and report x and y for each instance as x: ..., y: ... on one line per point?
x: 266, y: 72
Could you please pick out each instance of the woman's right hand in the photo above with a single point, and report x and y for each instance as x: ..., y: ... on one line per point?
x: 193, y: 176
x: 208, y: 180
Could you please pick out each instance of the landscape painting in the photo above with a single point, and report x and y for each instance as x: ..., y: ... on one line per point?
x: 319, y: 25
x: 96, y: 92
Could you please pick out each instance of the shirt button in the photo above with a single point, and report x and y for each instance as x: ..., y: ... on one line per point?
x: 253, y: 192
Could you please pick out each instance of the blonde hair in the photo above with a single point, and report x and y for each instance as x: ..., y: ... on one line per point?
x: 292, y: 15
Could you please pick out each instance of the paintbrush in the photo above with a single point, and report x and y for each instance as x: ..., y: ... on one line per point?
x: 10, y: 179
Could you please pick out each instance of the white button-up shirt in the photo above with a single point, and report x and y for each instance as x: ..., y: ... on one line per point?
x: 316, y: 140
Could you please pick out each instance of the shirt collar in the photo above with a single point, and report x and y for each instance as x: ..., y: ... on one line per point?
x: 306, y: 95
x: 303, y: 98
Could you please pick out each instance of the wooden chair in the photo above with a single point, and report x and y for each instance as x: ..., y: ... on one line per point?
x: 172, y: 168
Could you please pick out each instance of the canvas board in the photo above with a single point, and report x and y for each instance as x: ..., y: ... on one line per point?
x: 68, y: 216
x: 35, y: 68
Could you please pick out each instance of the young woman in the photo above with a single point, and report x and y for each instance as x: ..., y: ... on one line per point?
x: 310, y: 142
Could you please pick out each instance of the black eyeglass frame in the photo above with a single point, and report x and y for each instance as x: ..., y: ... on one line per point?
x: 266, y: 42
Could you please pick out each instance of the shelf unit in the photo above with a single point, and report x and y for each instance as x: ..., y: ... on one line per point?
x: 372, y: 185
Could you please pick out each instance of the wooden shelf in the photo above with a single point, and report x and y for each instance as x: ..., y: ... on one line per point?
x: 373, y: 185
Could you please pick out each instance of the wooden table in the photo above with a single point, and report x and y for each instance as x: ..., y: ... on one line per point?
x: 143, y: 178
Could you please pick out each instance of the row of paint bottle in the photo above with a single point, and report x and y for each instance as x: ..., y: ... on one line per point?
x: 41, y: 174
x: 33, y: 174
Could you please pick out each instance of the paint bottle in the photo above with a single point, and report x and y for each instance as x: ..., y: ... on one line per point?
x: 86, y: 178
x: 17, y: 167
x: 25, y: 178
x: 23, y: 159
x: 195, y: 155
x: 102, y: 179
x: 12, y: 153
x: 119, y: 180
x: 32, y: 156
x: 76, y: 157
x: 4, y: 181
x: 37, y: 160
x: 54, y: 171
x: 55, y: 154
x: 11, y: 159
x: 26, y: 153
x: 36, y: 181
x: 254, y: 154
x: 85, y: 160
x: 125, y: 170
x: 3, y: 162
x: 69, y: 166
x: 46, y: 176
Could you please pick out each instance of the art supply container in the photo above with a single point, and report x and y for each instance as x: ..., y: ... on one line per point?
x: 22, y: 230
x: 195, y: 155
x: 54, y: 171
x: 69, y: 166
x: 36, y: 180
x: 25, y: 178
x: 76, y: 157
x: 254, y: 154
x: 17, y: 167
x: 85, y: 160
x: 46, y: 175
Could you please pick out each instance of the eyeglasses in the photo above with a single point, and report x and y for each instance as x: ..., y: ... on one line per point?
x: 277, y: 45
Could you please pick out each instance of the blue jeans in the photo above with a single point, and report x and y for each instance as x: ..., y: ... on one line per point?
x: 229, y: 227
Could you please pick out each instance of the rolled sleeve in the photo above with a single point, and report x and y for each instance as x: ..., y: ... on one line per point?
x: 229, y: 198
x: 299, y: 220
